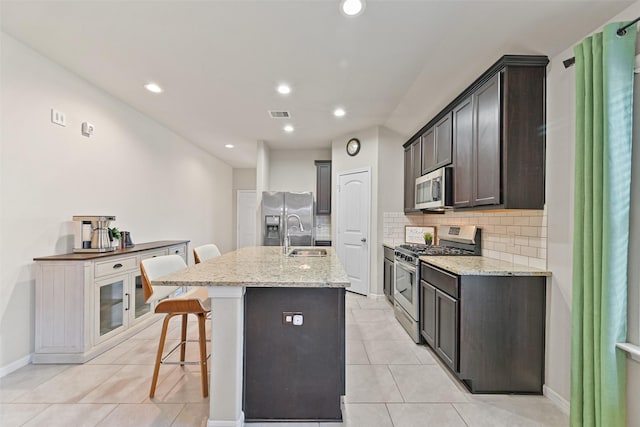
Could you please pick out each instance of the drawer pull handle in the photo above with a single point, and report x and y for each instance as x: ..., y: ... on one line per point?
x: 118, y: 265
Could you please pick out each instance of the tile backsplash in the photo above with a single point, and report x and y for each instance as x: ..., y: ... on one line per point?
x: 323, y: 227
x: 515, y: 236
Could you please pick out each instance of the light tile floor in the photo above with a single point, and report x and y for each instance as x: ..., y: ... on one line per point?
x: 391, y: 382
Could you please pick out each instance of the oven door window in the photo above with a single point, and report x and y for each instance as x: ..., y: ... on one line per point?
x: 404, y: 282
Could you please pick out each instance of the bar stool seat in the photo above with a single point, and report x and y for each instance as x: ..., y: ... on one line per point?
x: 172, y: 302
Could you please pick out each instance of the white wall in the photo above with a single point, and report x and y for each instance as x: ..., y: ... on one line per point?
x: 380, y: 150
x: 263, y: 167
x: 560, y: 166
x: 342, y: 162
x: 295, y: 170
x: 390, y: 185
x: 158, y: 185
x: 243, y: 179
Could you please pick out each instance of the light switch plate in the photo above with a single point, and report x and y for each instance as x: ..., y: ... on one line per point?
x: 58, y: 117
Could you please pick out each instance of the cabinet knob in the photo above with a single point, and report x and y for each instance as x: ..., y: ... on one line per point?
x: 363, y: 240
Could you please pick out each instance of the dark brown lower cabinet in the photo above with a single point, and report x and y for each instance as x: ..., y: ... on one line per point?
x: 428, y: 313
x: 439, y: 323
x: 447, y: 329
x: 294, y: 373
x: 388, y: 273
x: 489, y: 330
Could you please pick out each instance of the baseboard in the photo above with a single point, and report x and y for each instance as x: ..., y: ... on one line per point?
x: 558, y: 400
x: 231, y: 423
x: 14, y: 366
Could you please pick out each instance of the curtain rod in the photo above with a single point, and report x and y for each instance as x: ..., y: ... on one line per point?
x: 621, y: 32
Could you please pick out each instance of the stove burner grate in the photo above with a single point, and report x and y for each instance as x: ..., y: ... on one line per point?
x: 420, y: 250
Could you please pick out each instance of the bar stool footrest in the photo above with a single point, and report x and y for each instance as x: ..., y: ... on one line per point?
x: 162, y: 361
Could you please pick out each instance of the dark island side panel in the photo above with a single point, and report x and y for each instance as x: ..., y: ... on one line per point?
x: 294, y: 372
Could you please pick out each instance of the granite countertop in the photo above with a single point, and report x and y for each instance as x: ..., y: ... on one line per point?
x: 389, y: 245
x: 482, y: 266
x: 263, y: 266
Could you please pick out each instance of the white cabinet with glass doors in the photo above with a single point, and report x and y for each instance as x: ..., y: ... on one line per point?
x: 87, y: 304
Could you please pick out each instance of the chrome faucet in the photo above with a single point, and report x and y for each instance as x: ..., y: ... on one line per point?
x: 286, y: 230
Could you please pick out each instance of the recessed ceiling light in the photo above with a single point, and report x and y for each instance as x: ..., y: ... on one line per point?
x: 352, y: 7
x: 229, y: 146
x: 339, y: 112
x: 288, y: 128
x: 284, y: 89
x: 152, y: 87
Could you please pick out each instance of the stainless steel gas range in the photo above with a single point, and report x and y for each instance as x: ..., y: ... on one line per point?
x: 453, y: 240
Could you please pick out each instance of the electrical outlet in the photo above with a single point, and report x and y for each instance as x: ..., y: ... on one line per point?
x: 58, y: 117
x: 298, y: 319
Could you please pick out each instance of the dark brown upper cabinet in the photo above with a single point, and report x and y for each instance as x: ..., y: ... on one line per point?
x: 323, y: 187
x: 477, y: 154
x: 497, y: 133
x: 463, y: 149
x: 436, y: 145
x: 412, y: 169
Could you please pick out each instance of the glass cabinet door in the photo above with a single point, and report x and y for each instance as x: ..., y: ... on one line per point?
x: 140, y: 308
x: 112, y: 303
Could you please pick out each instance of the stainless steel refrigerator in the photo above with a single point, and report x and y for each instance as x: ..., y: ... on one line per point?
x: 276, y: 206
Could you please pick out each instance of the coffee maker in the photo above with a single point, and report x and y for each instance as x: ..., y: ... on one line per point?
x: 92, y: 233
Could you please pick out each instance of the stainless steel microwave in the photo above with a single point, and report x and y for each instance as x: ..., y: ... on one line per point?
x: 434, y: 191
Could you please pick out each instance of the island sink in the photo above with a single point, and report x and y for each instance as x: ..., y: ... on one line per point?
x: 308, y: 252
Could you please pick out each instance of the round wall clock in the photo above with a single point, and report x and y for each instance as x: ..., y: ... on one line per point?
x: 353, y: 146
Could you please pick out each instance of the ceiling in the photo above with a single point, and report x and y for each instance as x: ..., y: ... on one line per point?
x: 219, y: 62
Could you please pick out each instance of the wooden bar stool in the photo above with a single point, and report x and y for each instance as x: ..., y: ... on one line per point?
x: 205, y: 252
x: 194, y: 301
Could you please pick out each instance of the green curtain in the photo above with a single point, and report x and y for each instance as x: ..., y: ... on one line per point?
x: 604, y: 104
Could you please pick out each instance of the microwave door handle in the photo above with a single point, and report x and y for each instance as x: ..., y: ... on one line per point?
x: 436, y: 190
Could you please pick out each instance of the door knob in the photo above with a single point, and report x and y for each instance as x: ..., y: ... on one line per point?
x: 363, y: 240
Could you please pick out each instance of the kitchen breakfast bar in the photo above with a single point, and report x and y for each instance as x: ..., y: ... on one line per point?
x: 277, y: 336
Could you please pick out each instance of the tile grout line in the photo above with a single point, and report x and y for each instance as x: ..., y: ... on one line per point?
x: 459, y: 414
x: 386, y: 406
x: 404, y: 400
x: 116, y: 406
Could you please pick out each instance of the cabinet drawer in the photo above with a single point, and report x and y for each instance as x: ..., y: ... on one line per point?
x: 440, y: 279
x: 116, y: 266
x: 153, y: 254
x: 178, y: 250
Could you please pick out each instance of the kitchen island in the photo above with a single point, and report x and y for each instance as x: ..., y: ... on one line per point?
x: 263, y: 366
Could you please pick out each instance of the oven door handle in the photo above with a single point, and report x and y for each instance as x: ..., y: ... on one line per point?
x: 399, y: 285
x: 407, y: 267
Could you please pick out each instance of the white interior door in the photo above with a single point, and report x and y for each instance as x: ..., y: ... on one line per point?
x: 247, y: 204
x: 353, y: 213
